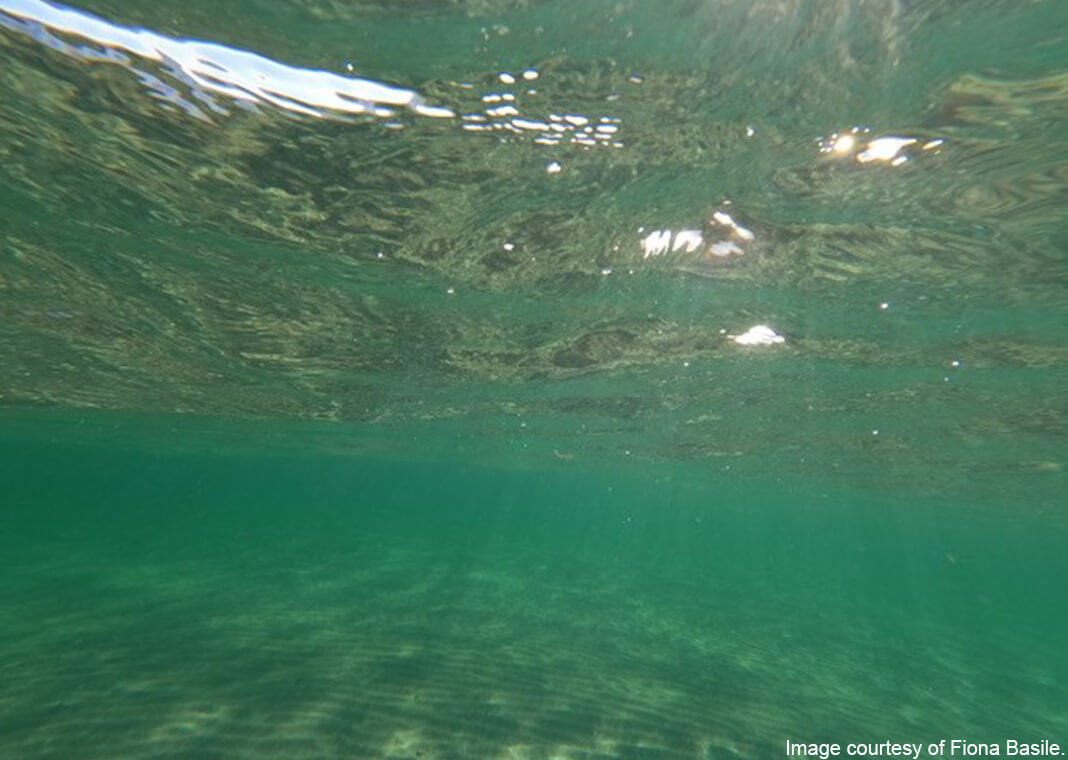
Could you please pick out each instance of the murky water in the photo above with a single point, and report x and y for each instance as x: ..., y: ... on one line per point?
x: 519, y: 379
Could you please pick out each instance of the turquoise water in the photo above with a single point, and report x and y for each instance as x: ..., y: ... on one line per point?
x: 198, y: 605
x: 531, y: 380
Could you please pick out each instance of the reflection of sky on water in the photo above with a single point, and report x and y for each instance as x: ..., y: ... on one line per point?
x: 892, y: 150
x: 208, y: 68
x: 502, y: 115
x: 721, y: 238
x: 204, y: 78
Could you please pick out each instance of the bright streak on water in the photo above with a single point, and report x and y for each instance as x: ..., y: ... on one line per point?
x: 240, y: 75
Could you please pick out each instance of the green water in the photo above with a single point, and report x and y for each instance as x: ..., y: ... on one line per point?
x: 385, y: 380
x: 198, y: 605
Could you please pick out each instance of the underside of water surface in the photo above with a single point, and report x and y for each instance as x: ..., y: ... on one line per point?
x: 531, y: 379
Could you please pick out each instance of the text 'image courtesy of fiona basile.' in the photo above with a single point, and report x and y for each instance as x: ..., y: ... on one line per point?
x: 940, y: 748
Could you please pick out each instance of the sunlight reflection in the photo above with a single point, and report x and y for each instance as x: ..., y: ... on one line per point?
x: 205, y: 78
x: 895, y: 151
x: 210, y: 68
x: 506, y: 112
x: 722, y: 237
x: 885, y: 149
x: 758, y: 335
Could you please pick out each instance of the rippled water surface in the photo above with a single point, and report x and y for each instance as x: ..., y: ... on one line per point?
x: 530, y: 378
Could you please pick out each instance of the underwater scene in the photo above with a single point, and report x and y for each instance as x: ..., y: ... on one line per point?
x: 533, y: 379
